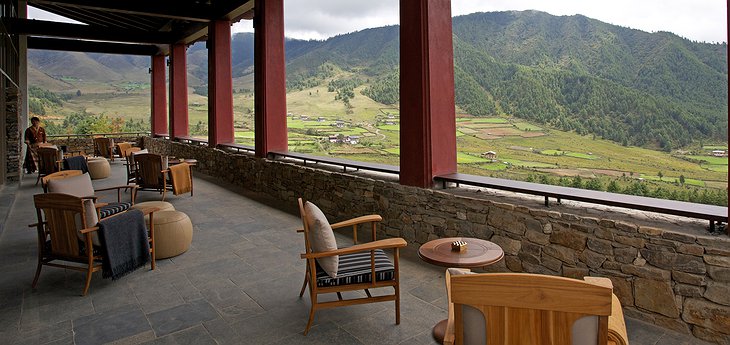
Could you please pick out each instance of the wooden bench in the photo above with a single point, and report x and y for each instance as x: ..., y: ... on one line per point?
x: 191, y: 140
x: 238, y: 147
x: 344, y: 163
x: 673, y: 207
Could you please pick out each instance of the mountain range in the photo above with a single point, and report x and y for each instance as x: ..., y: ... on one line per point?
x: 568, y: 72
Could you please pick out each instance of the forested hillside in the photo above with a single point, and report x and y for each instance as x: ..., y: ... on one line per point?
x: 573, y: 73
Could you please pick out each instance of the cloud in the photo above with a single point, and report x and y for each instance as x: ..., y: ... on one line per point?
x: 700, y: 20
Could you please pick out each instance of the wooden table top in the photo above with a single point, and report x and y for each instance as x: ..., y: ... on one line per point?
x: 479, y: 253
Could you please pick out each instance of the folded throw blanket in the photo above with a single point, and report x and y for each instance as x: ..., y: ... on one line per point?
x: 76, y: 163
x: 124, y: 243
x: 180, y: 177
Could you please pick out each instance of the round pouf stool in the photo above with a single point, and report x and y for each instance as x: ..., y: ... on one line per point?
x: 98, y: 168
x: 173, y: 233
x: 159, y: 205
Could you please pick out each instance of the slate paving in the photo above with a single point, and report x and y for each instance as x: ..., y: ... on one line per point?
x: 238, y: 284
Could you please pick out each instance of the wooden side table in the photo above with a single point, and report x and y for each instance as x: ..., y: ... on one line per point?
x: 478, y: 253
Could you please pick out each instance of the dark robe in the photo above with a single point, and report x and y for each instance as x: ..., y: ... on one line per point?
x: 33, y: 137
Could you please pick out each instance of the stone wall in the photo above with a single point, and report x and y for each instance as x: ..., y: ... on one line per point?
x: 669, y: 278
x: 13, y: 141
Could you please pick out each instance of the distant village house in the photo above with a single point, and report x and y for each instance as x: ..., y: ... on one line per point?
x: 491, y: 155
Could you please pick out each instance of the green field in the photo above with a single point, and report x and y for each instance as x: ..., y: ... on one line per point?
x: 524, y: 150
x: 710, y: 159
x: 524, y: 126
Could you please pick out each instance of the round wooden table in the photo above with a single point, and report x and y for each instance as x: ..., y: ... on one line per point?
x: 478, y: 253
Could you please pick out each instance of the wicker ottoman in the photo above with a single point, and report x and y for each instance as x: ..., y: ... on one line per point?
x: 173, y: 233
x: 98, y: 168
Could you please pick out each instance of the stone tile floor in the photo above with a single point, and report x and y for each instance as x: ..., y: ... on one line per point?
x: 238, y: 284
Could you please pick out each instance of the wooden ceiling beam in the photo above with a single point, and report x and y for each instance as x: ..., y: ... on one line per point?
x: 153, y: 8
x: 66, y: 30
x: 232, y: 9
x: 92, y: 46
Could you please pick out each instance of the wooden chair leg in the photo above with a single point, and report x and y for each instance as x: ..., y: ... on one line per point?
x: 304, y: 286
x: 89, y: 272
x: 311, y: 313
x: 397, y: 305
x: 37, y: 273
x: 152, y: 240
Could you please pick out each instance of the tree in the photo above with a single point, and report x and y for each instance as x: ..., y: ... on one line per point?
x: 681, y: 179
x: 613, y: 187
x: 660, y: 175
x: 78, y: 93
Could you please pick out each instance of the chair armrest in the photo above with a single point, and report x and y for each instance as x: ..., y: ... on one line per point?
x: 92, y: 198
x: 129, y: 186
x: 599, y: 281
x: 359, y: 220
x: 379, y: 244
x: 616, y: 324
x: 148, y: 210
x: 87, y: 230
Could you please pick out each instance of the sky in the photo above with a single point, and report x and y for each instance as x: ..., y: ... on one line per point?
x: 698, y: 20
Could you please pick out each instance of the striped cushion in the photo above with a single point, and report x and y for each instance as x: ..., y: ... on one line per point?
x: 355, y: 269
x: 113, y: 208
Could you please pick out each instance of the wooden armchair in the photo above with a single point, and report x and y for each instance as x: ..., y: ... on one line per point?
x: 67, y: 232
x: 131, y: 166
x: 48, y: 162
x: 151, y: 175
x: 104, y: 147
x: 355, y: 265
x: 517, y: 308
x: 80, y: 185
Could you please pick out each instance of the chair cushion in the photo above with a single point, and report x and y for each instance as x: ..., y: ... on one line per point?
x: 322, y: 237
x: 91, y: 220
x: 355, y: 268
x: 113, y: 208
x: 79, y: 186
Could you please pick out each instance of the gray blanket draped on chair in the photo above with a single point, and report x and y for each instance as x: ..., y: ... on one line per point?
x: 124, y: 243
x: 76, y: 163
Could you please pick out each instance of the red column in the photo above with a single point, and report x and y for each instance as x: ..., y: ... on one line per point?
x: 270, y: 77
x: 428, y: 119
x: 220, y: 84
x: 159, y: 96
x: 178, y: 92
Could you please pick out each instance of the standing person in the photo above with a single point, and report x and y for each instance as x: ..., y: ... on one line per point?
x: 34, y: 135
